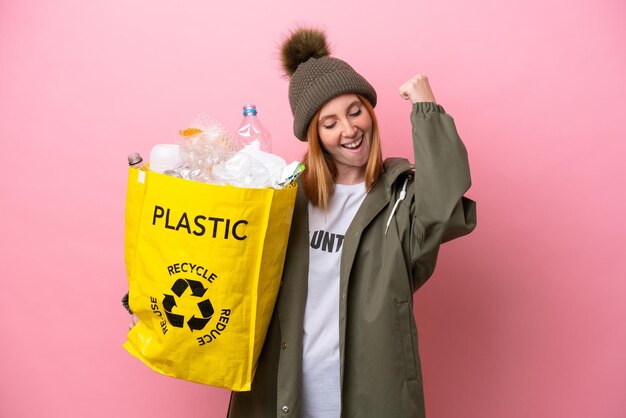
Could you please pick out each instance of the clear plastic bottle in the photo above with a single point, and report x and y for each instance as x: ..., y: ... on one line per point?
x: 136, y: 161
x: 251, y: 129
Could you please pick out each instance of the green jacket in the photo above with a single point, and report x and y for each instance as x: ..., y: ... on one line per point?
x: 381, y: 267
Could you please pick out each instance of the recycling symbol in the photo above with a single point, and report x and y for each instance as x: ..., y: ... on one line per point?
x: 197, y: 291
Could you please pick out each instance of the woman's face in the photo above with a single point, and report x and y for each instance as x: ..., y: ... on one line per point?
x: 345, y: 131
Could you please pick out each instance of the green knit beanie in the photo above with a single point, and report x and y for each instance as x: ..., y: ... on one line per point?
x: 317, y: 77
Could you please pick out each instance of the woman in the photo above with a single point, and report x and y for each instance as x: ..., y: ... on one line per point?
x: 365, y: 236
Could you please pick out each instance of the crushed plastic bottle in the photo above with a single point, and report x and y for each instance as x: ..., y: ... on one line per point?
x: 250, y: 167
x: 251, y: 129
x: 204, y: 144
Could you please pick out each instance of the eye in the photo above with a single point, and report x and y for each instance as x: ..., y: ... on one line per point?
x: 330, y: 126
x: 356, y: 113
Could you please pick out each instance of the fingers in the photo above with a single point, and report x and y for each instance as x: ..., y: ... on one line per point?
x: 417, y: 89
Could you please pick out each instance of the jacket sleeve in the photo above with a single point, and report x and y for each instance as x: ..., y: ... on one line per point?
x: 440, y: 212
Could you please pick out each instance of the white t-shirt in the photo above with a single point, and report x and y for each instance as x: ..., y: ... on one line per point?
x: 321, y: 386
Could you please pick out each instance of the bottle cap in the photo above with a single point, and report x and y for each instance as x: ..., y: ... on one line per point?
x: 134, y: 159
x: 249, y: 109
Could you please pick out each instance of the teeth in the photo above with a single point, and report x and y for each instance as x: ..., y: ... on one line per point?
x: 354, y: 144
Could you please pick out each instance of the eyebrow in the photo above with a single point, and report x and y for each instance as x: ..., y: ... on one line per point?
x: 355, y: 102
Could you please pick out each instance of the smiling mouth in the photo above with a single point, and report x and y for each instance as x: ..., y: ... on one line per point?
x: 353, y: 145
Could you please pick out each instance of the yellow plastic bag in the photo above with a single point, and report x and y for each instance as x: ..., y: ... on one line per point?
x: 204, y: 264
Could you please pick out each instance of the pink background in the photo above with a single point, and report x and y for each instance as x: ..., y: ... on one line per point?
x: 525, y: 318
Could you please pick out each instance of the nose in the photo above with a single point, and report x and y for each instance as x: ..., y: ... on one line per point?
x: 349, y: 129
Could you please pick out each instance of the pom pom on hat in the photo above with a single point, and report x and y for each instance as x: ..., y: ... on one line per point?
x: 316, y: 77
x: 302, y: 44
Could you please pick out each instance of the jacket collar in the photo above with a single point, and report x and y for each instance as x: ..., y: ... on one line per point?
x: 376, y: 200
x: 381, y: 193
x: 393, y: 168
